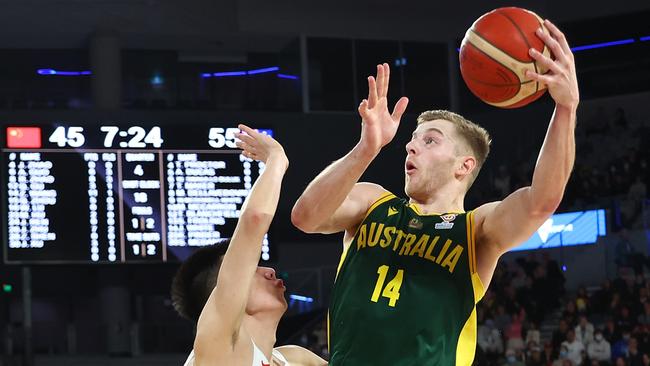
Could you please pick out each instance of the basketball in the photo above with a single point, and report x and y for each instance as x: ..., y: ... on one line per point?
x: 494, y: 57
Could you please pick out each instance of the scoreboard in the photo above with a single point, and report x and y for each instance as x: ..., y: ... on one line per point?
x: 120, y: 193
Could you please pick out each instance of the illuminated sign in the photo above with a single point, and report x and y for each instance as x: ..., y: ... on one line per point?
x: 568, y: 229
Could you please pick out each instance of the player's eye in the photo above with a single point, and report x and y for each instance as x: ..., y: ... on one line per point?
x: 428, y: 140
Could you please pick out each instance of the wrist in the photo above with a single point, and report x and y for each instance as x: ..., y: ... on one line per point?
x: 366, y: 151
x: 278, y: 159
x: 570, y: 107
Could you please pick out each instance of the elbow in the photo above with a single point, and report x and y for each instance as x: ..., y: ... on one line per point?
x: 546, y: 207
x: 299, y: 219
x: 256, y: 218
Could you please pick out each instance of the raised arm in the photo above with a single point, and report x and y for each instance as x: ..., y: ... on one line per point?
x: 334, y: 201
x: 506, y: 224
x: 221, y: 318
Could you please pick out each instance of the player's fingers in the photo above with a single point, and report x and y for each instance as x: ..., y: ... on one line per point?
x: 363, y: 109
x: 247, y: 130
x: 372, y: 92
x: 544, y: 79
x: 557, y: 34
x: 544, y: 61
x: 246, y: 147
x: 552, y: 44
x: 384, y: 86
x: 399, y: 109
x: 246, y: 138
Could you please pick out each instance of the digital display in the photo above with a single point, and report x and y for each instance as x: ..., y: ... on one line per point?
x: 567, y: 229
x: 120, y: 193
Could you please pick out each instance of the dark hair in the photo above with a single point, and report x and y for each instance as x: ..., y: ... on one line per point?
x: 195, y: 279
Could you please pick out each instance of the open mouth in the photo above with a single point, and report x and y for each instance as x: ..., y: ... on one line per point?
x: 410, y: 167
x: 279, y: 283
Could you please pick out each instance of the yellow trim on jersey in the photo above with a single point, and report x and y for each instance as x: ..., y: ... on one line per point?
x: 328, y: 332
x: 470, y: 243
x: 477, y: 284
x: 466, y: 346
x: 383, y: 198
x: 416, y: 209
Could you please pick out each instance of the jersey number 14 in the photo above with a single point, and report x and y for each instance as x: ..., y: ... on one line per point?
x: 391, y: 291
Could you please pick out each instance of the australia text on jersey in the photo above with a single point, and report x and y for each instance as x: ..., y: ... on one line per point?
x: 378, y: 235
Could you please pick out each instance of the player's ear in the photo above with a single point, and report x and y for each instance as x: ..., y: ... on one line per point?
x: 467, y: 166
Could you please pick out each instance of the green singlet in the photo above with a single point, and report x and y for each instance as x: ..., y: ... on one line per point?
x: 406, y: 290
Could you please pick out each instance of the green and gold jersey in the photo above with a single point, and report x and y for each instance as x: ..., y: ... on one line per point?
x: 406, y: 290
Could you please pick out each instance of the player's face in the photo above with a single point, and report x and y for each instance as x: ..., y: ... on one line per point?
x: 431, y: 158
x: 267, y: 291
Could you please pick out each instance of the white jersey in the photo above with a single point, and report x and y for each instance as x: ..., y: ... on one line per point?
x: 258, y: 358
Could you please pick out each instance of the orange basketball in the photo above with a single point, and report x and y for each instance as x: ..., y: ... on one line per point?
x: 494, y: 57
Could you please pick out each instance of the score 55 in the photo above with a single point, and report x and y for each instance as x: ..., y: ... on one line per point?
x: 219, y: 137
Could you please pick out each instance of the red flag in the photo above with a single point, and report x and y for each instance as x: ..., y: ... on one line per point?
x: 24, y: 137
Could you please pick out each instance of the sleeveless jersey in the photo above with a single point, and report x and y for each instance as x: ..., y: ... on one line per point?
x: 406, y: 290
x: 259, y: 359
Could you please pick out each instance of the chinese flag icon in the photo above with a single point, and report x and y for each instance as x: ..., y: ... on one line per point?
x: 24, y: 137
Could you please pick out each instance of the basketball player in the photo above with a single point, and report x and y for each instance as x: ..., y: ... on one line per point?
x: 238, y: 322
x: 413, y: 269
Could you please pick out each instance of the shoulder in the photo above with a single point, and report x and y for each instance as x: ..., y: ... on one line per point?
x: 370, y: 191
x: 299, y: 356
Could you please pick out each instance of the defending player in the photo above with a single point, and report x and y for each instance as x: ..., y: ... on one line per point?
x: 240, y: 314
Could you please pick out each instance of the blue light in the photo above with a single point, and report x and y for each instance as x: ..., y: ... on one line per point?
x: 301, y: 298
x: 228, y: 73
x: 262, y: 71
x: 286, y: 76
x: 157, y: 80
x: 601, y: 45
x: 62, y: 73
x: 206, y: 75
x: 265, y: 131
x: 568, y: 229
x: 643, y: 39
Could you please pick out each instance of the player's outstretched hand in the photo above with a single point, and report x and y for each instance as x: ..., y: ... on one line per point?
x: 260, y: 146
x: 561, y: 78
x: 379, y: 126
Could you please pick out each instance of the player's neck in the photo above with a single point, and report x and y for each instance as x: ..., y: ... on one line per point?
x: 439, y: 202
x: 262, y: 327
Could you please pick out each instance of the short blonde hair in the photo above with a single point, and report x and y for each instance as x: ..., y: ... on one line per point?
x: 475, y: 137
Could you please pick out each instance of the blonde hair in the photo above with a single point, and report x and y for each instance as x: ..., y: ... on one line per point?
x: 476, y: 138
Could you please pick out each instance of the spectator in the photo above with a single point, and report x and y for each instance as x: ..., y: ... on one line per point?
x: 582, y: 300
x: 619, y: 349
x: 620, y: 361
x: 502, y: 319
x: 584, y: 331
x: 514, y: 331
x: 535, y: 357
x: 533, y: 335
x: 574, y: 347
x: 548, y: 354
x: 644, y: 318
x: 634, y: 357
x: 489, y: 339
x: 512, y: 359
x: 563, y: 356
x: 599, y: 350
x: 612, y: 333
x: 559, y: 335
